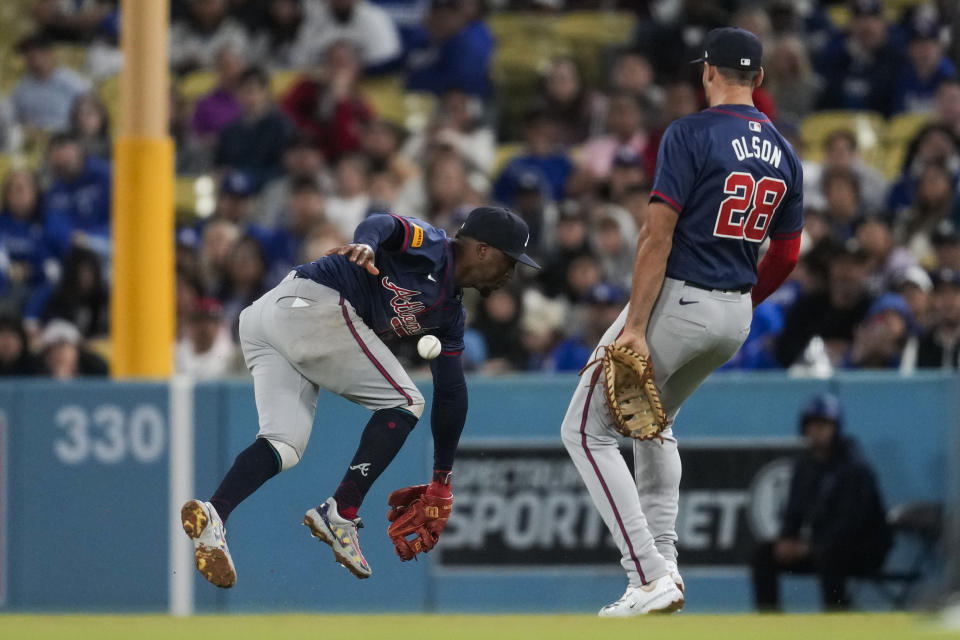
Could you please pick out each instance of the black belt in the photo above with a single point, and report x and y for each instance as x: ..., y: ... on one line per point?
x: 696, y: 285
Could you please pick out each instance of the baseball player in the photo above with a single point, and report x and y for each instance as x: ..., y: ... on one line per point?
x: 324, y: 326
x: 725, y: 181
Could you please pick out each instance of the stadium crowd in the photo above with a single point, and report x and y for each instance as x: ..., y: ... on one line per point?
x: 282, y: 114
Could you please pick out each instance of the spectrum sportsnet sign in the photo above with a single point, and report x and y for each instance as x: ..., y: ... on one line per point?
x: 525, y: 505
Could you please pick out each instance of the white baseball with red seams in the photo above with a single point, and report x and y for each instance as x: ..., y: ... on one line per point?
x: 428, y: 347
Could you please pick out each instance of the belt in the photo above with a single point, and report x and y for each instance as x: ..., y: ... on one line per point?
x: 696, y: 285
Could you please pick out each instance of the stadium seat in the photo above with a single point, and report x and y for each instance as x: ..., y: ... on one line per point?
x: 867, y: 126
x: 196, y: 84
x: 281, y: 81
x: 389, y: 101
x: 919, y: 526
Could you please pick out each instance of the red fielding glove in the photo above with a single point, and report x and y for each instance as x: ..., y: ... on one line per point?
x: 420, y: 511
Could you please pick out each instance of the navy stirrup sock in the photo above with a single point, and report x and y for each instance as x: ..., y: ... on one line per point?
x: 254, y: 465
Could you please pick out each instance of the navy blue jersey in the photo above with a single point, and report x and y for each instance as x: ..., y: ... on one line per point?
x: 414, y: 292
x: 733, y: 180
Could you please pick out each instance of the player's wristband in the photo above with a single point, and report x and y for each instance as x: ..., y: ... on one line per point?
x: 440, y: 483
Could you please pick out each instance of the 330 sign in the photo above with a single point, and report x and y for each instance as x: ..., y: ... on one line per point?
x: 109, y: 434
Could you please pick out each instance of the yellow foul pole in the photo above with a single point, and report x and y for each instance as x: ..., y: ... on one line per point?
x: 142, y: 307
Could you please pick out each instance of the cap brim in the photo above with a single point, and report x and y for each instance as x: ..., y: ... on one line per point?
x: 698, y: 60
x: 524, y: 258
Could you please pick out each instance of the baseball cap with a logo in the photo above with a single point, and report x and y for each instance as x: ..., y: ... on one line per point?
x: 501, y: 229
x: 733, y: 48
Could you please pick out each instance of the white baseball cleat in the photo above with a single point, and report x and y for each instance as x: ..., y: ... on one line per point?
x: 674, y: 574
x: 341, y: 534
x: 202, y: 523
x: 659, y: 596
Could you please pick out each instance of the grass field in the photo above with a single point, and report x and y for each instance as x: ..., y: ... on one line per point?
x: 448, y: 627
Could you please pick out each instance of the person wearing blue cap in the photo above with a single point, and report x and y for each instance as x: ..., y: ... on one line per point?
x: 879, y: 342
x: 939, y: 347
x: 604, y: 302
x: 834, y: 523
x: 927, y: 66
x: 327, y: 325
x: 858, y: 66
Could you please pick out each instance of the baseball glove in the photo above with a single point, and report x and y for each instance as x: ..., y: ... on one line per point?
x: 631, y: 393
x: 414, y: 512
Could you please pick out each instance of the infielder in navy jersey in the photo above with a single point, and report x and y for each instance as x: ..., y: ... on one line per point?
x: 325, y: 325
x: 725, y: 181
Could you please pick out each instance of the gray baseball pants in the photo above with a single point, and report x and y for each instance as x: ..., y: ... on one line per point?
x: 301, y: 336
x: 687, y: 342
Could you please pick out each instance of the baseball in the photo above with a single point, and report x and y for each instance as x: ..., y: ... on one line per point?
x: 428, y: 347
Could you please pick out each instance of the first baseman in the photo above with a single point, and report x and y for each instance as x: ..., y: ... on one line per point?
x: 324, y: 326
x: 725, y: 181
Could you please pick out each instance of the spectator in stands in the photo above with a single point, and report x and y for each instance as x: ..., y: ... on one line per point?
x: 632, y: 73
x: 542, y: 155
x: 221, y: 106
x: 604, y: 301
x: 927, y: 66
x: 886, y: 261
x: 498, y: 321
x: 218, y: 240
x: 790, y: 78
x: 880, y: 339
x: 77, y: 203
x: 24, y: 251
x: 82, y: 296
x: 381, y: 144
x: 565, y: 99
x: 448, y: 190
x: 276, y: 32
x: 840, y: 151
x: 188, y: 288
x: 613, y: 239
x: 301, y: 160
x: 350, y: 203
x: 572, y: 240
x: 834, y: 524
x: 945, y: 241
x: 90, y: 123
x: 627, y: 169
x: 457, y: 124
x: 582, y: 274
x: 858, y: 66
x: 453, y: 50
x: 933, y: 144
x: 948, y: 105
x: 205, y: 30
x: 532, y: 202
x: 842, y: 203
x: 64, y: 354
x: 933, y: 204
x: 235, y: 200
x: 255, y: 142
x: 625, y: 129
x: 540, y: 329
x: 206, y: 351
x: 46, y: 91
x: 359, y: 22
x: 76, y: 21
x: 192, y: 155
x: 327, y: 104
x: 16, y: 359
x: 940, y: 345
x: 282, y: 247
x: 830, y: 313
x: 915, y: 286
x: 244, y: 281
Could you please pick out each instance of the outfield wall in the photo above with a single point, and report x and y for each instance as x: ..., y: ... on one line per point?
x: 86, y: 495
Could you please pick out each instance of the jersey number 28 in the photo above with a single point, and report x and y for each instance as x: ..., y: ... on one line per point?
x: 749, y: 207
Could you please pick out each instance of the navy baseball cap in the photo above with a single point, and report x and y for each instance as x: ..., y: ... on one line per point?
x: 824, y: 406
x: 501, y: 229
x: 733, y: 48
x: 866, y: 7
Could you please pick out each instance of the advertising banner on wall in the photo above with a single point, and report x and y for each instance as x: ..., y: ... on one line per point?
x: 521, y: 504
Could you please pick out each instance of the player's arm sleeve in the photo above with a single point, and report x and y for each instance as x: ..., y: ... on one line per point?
x: 676, y: 168
x: 777, y: 264
x: 380, y: 231
x: 449, y: 411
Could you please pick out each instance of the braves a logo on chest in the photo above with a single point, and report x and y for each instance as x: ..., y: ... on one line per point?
x: 405, y: 323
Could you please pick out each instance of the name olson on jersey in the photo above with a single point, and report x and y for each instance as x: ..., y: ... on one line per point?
x: 405, y: 323
x: 757, y: 148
